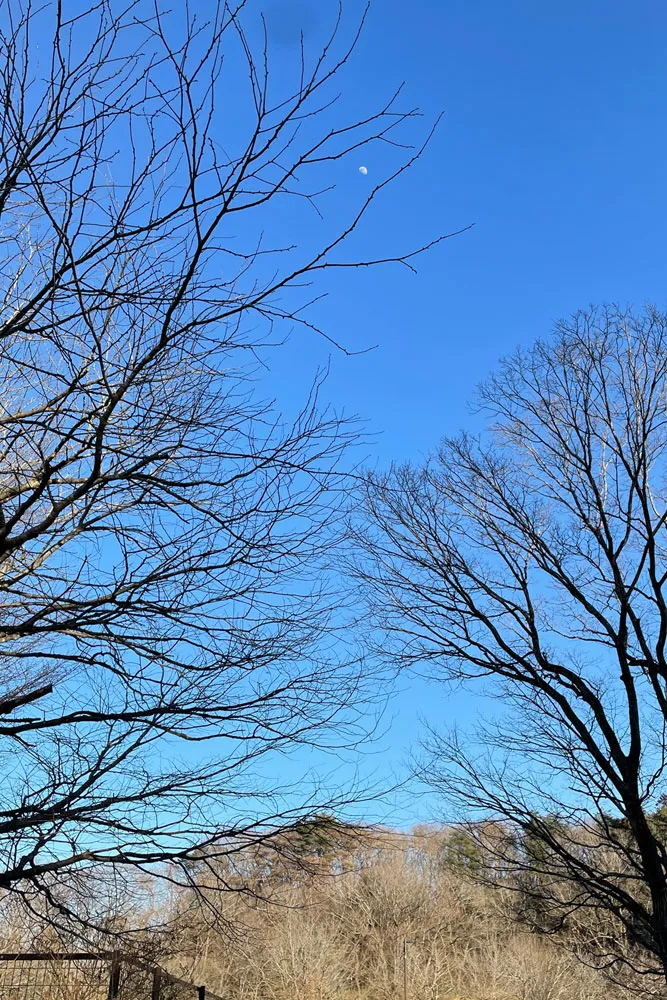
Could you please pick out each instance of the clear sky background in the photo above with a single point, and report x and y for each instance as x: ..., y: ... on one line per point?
x: 554, y: 144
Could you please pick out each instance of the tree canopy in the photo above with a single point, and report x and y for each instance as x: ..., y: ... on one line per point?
x: 533, y: 558
x: 166, y: 611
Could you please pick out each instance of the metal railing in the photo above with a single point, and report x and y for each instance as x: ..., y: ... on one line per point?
x: 90, y: 976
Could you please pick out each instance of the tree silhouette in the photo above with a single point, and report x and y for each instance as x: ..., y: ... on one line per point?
x: 167, y: 618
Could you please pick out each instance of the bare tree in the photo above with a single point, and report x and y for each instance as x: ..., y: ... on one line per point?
x: 533, y: 558
x: 164, y: 533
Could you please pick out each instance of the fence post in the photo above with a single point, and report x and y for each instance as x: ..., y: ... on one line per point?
x: 157, y: 983
x: 114, y: 977
x: 202, y: 993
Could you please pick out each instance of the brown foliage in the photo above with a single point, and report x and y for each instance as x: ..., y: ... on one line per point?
x: 340, y: 936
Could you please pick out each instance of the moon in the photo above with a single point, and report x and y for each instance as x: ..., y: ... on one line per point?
x: 363, y: 170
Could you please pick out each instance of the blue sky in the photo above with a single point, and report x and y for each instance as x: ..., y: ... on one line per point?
x: 554, y: 144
